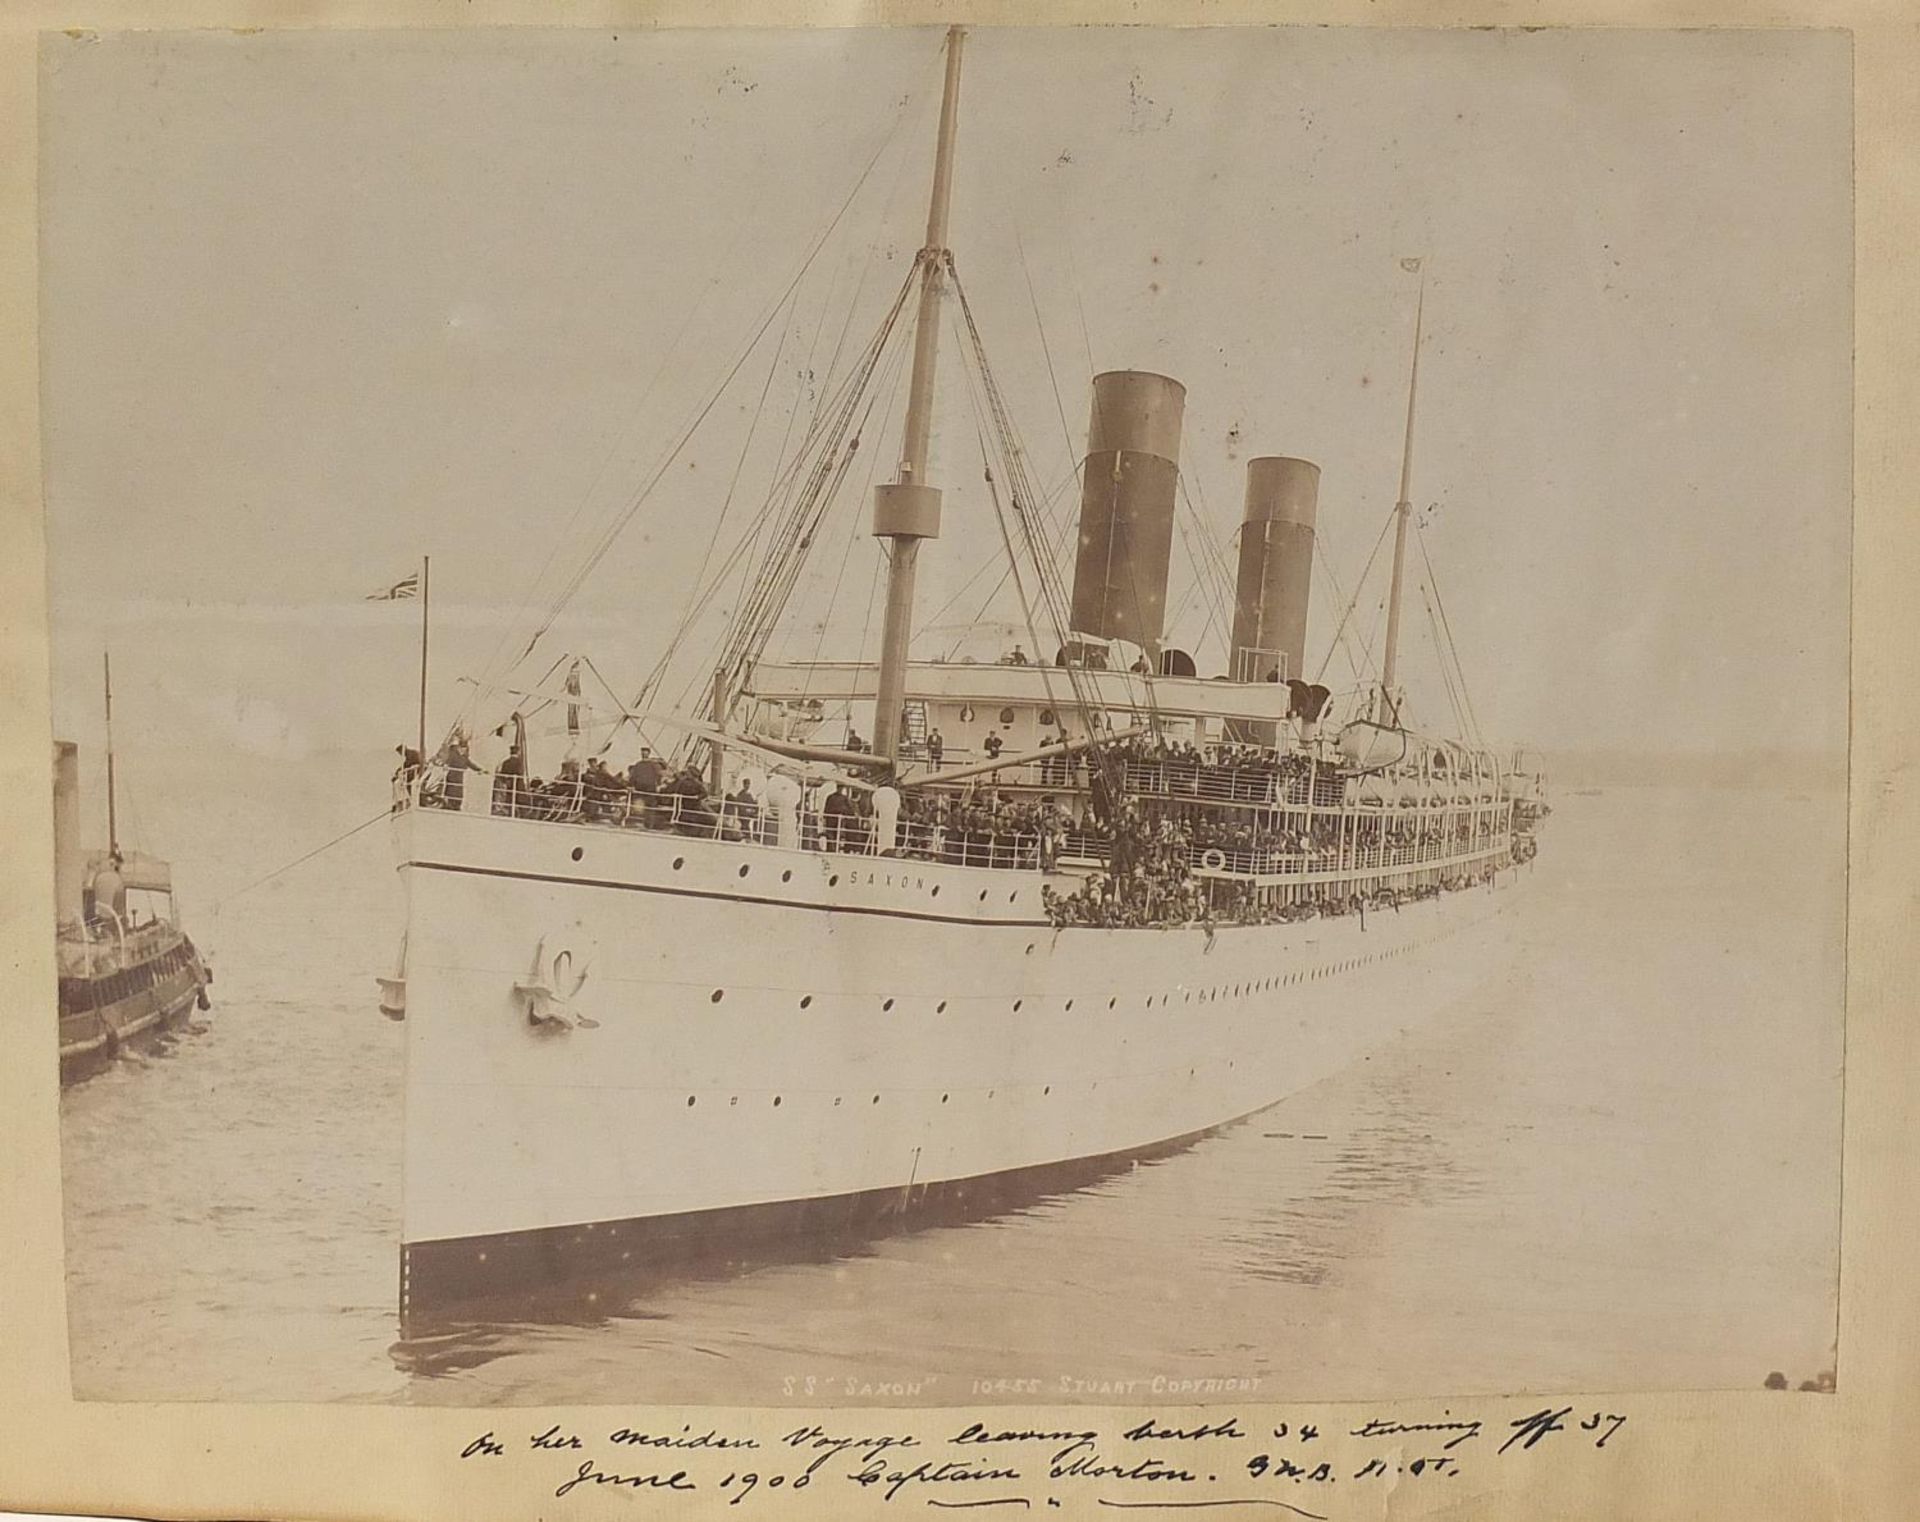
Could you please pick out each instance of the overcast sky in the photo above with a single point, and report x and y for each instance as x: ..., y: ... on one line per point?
x: 318, y: 303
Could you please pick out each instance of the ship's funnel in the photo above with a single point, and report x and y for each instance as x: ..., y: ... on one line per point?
x: 1126, y: 507
x: 1276, y: 570
x: 69, y: 864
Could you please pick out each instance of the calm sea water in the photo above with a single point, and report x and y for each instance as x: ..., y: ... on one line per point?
x: 1614, y: 1166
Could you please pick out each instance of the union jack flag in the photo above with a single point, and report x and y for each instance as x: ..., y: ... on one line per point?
x: 407, y: 586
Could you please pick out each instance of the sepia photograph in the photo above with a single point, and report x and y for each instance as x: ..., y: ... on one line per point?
x: 942, y: 716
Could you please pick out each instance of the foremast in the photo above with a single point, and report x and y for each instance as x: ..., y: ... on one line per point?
x: 906, y: 510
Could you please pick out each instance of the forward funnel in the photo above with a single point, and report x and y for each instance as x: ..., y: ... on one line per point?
x: 1126, y: 507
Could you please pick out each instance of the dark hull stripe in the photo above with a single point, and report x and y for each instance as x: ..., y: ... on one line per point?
x: 729, y: 898
x: 567, y: 1273
x: 82, y: 1058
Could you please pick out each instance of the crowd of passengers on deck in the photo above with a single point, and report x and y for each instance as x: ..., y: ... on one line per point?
x: 1149, y: 846
x: 1159, y: 890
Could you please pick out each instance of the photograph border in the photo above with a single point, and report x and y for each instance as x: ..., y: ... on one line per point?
x: 1741, y: 1454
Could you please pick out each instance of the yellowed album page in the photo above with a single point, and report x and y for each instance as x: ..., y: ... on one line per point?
x: 1055, y: 760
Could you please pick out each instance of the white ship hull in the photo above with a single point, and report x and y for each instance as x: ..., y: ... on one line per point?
x: 776, y: 1047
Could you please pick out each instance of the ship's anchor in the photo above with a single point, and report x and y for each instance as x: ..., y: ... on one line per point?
x: 548, y: 991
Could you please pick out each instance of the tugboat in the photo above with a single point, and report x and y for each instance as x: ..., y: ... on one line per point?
x: 128, y: 972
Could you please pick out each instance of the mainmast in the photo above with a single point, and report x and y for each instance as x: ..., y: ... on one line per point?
x: 907, y: 510
x: 113, y: 821
x: 1402, y: 510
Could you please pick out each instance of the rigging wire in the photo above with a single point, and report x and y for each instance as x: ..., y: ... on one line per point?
x: 609, y: 536
x: 1046, y: 350
x: 989, y: 563
x: 606, y: 461
x: 227, y: 898
x: 1358, y: 587
x: 1052, y: 588
x: 1452, y: 648
x: 798, y: 514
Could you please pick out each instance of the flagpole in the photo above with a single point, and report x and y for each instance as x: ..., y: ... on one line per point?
x: 113, y: 818
x: 426, y: 563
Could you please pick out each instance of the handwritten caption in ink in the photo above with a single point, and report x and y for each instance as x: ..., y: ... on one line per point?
x: 1313, y: 1469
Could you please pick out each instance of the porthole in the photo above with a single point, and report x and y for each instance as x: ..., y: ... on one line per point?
x: 1030, y: 948
x: 689, y: 1101
x: 776, y: 1101
x: 983, y: 895
x: 943, y: 1099
x: 1112, y: 1002
x: 936, y: 890
x: 1069, y: 1009
x: 1016, y: 1006
x: 745, y: 869
x: 806, y: 1001
x: 876, y: 1099
x: 1012, y: 896
x: 576, y: 853
x: 719, y: 994
x: 1046, y: 1091
x: 735, y: 1100
x: 787, y: 876
x: 836, y: 1101
x: 940, y: 1008
x: 885, y: 1005
x: 679, y: 862
x: 834, y: 881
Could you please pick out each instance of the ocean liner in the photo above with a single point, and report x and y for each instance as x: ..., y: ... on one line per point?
x: 1070, y: 906
x: 128, y: 972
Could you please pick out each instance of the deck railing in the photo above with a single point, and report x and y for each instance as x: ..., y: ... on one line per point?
x: 1346, y: 854
x: 816, y: 829
x: 1179, y: 779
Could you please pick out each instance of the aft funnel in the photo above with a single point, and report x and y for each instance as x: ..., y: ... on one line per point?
x: 1276, y: 569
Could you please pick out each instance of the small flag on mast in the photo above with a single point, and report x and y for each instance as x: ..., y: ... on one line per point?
x: 407, y: 586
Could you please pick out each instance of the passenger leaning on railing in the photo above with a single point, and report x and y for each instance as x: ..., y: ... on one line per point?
x: 457, y: 763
